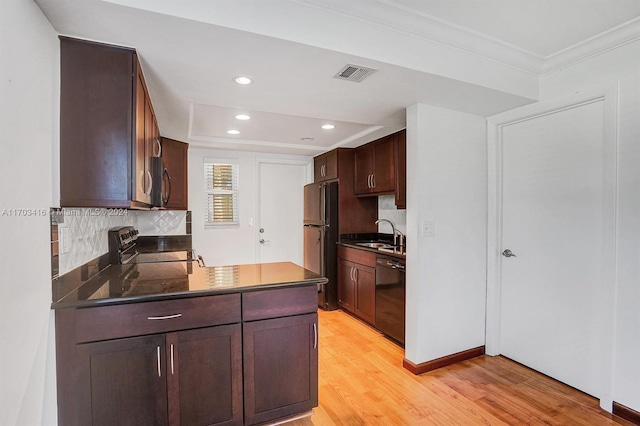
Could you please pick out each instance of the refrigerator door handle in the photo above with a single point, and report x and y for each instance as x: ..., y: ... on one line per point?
x: 323, y: 205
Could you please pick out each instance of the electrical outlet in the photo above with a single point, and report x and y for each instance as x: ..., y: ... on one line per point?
x: 63, y: 239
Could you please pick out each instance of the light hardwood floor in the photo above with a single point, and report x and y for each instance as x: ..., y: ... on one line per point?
x: 362, y: 382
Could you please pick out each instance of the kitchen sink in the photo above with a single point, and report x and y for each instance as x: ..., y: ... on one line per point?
x: 375, y: 245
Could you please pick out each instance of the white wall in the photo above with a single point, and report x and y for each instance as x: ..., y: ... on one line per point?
x: 29, y: 112
x: 446, y: 273
x: 618, y: 67
x: 238, y: 245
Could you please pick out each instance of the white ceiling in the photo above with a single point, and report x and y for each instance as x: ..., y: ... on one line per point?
x: 476, y: 56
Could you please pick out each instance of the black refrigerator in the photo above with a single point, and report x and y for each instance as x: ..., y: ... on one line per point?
x: 321, y: 238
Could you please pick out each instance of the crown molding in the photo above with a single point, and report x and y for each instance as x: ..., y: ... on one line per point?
x: 599, y: 44
x: 393, y: 16
x: 398, y: 18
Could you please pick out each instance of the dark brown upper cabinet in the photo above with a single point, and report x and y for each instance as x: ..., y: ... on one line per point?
x: 374, y: 168
x: 175, y: 174
x: 379, y: 168
x: 108, y: 129
x: 355, y: 214
x: 325, y: 166
x: 400, y: 160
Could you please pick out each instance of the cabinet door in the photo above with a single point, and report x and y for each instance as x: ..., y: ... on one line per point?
x: 319, y: 163
x: 280, y: 367
x: 175, y: 181
x: 325, y: 166
x: 204, y: 374
x: 96, y: 111
x: 141, y: 179
x: 122, y: 382
x: 363, y: 168
x: 346, y: 285
x: 365, y: 303
x: 400, y: 146
x: 331, y: 165
x: 151, y: 147
x: 383, y: 174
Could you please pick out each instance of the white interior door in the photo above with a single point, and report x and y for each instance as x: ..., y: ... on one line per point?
x: 281, y: 205
x: 554, y: 219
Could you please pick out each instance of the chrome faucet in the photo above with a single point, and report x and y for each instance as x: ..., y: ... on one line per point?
x: 393, y: 228
x: 396, y: 233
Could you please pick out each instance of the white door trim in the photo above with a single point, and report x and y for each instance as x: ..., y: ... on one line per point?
x: 495, y: 126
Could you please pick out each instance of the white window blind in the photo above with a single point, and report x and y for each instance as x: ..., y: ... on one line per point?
x: 221, y: 194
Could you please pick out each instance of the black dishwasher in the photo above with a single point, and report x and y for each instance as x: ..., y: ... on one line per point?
x: 390, y: 297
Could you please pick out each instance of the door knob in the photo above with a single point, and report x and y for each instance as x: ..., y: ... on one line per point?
x: 508, y: 253
x: 262, y: 241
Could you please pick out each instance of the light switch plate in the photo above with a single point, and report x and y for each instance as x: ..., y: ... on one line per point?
x: 428, y: 228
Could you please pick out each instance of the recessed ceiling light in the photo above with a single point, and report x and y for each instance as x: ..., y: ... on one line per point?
x: 243, y: 80
x: 242, y: 117
x: 233, y: 132
x: 328, y: 126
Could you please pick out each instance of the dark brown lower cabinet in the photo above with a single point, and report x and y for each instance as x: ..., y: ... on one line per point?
x: 122, y: 382
x: 190, y: 377
x: 365, y: 293
x: 281, y: 367
x: 204, y: 375
x: 141, y: 364
x: 346, y: 286
x: 357, y: 283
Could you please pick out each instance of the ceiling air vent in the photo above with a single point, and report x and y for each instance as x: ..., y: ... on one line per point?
x: 354, y: 73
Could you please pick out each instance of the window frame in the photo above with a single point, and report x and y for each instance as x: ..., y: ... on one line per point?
x: 209, y: 192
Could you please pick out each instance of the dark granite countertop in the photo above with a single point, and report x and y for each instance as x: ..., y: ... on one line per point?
x: 141, y: 282
x: 352, y: 240
x: 397, y: 252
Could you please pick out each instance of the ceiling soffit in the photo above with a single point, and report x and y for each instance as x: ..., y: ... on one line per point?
x: 406, y: 39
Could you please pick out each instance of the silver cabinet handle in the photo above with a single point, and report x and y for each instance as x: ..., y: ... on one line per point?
x: 373, y: 180
x: 158, y: 357
x: 172, y: 372
x: 508, y: 253
x: 148, y: 191
x: 159, y: 154
x: 165, y: 172
x: 355, y: 274
x: 315, y: 336
x: 165, y: 317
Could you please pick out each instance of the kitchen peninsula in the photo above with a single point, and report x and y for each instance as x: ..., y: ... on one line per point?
x: 176, y: 343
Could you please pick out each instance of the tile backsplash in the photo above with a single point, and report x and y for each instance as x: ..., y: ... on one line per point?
x: 387, y: 210
x: 81, y: 233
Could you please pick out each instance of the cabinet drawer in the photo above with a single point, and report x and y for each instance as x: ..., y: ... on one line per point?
x: 135, y: 319
x: 279, y: 302
x: 362, y: 257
